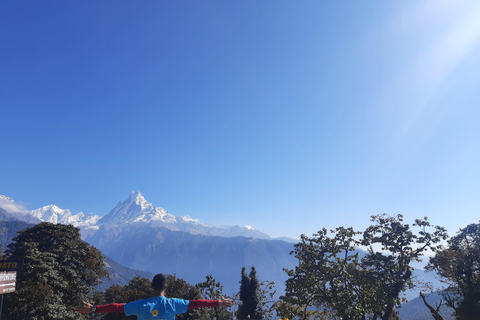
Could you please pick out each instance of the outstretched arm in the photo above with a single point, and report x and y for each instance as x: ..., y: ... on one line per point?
x: 210, y: 303
x: 112, y: 307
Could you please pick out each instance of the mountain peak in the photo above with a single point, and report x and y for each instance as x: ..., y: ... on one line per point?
x: 137, y: 210
x: 136, y: 196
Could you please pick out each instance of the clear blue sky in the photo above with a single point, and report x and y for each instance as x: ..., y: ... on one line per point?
x: 287, y: 116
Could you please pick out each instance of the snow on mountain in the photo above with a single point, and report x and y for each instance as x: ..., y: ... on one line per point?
x: 12, y: 211
x: 54, y: 214
x: 9, y: 205
x: 5, y: 198
x: 135, y: 210
x: 138, y: 210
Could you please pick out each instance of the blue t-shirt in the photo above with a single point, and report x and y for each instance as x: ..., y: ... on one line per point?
x: 156, y: 308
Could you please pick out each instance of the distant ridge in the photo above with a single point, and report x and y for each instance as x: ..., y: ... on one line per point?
x: 135, y: 210
x: 194, y: 256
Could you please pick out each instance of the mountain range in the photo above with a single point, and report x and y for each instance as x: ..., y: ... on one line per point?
x: 135, y: 210
x: 141, y: 236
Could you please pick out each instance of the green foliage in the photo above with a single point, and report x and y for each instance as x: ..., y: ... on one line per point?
x: 400, y: 246
x: 266, y: 295
x: 248, y: 307
x: 459, y: 267
x: 59, y: 271
x: 212, y: 290
x: 331, y: 276
x: 138, y: 288
x: 328, y: 276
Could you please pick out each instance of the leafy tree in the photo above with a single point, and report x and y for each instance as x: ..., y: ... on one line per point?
x: 115, y: 294
x: 98, y: 297
x: 328, y: 276
x: 459, y: 267
x: 399, y: 247
x: 138, y: 288
x: 212, y: 290
x: 249, y: 301
x: 59, y: 271
x: 331, y: 276
x: 266, y: 294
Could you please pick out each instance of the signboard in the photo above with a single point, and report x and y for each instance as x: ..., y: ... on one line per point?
x: 7, y: 282
x: 10, y: 265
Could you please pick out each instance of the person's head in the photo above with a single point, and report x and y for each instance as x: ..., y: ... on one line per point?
x: 159, y: 282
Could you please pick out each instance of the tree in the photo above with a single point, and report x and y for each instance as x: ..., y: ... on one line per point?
x: 113, y: 294
x: 328, y: 277
x: 459, y: 267
x: 331, y: 276
x: 434, y: 311
x: 59, y: 271
x: 212, y: 290
x: 399, y: 246
x: 137, y: 288
x: 249, y: 301
x: 266, y: 303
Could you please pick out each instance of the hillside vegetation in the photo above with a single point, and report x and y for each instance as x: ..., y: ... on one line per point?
x: 331, y: 280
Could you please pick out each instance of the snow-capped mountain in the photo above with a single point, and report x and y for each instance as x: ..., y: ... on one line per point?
x: 54, y: 214
x: 141, y: 236
x: 138, y: 210
x: 134, y: 211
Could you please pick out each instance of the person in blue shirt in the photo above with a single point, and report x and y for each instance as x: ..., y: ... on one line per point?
x: 156, y: 307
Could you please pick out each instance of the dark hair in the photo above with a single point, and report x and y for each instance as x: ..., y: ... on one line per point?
x: 159, y: 281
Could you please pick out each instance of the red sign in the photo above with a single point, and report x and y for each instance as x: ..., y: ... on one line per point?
x: 7, y: 282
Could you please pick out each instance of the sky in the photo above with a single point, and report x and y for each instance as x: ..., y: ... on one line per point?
x: 283, y: 115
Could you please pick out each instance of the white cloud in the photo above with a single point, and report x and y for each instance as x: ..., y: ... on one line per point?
x: 11, y: 206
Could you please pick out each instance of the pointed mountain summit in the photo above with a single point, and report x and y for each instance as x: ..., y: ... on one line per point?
x: 137, y: 210
x: 139, y: 213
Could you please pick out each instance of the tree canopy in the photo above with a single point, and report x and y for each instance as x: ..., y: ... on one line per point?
x: 341, y: 273
x: 248, y: 307
x: 332, y: 277
x: 210, y: 289
x: 459, y: 267
x: 59, y: 270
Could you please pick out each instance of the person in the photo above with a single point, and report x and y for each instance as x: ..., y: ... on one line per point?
x: 157, y: 306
